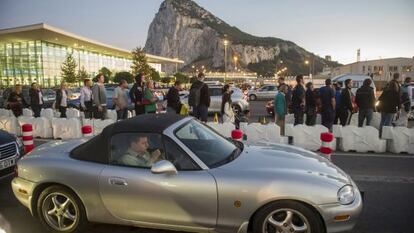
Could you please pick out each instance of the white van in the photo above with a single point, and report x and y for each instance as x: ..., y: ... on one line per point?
x: 358, y: 80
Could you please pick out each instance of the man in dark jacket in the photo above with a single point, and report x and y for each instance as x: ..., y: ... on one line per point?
x: 298, y: 100
x: 173, y: 98
x: 365, y: 99
x: 137, y: 94
x: 36, y: 99
x: 390, y: 102
x: 345, y: 107
x: 199, y: 98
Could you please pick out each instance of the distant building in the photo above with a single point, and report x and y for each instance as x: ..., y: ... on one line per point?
x: 35, y: 53
x: 381, y: 70
x: 328, y: 58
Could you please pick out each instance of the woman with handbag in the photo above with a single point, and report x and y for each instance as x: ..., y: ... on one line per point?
x: 16, y: 101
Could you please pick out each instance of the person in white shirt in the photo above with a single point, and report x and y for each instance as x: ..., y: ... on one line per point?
x: 62, y: 100
x: 120, y: 100
x: 226, y: 105
x: 86, y: 98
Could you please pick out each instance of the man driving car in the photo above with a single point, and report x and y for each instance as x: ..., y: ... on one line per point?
x: 138, y: 155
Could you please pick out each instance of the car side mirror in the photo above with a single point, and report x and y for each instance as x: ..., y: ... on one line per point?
x: 164, y: 167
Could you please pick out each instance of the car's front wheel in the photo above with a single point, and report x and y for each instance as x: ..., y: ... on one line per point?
x: 253, y: 97
x: 61, y: 211
x: 287, y: 216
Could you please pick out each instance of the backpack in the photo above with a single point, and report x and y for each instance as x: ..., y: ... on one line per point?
x: 195, y: 95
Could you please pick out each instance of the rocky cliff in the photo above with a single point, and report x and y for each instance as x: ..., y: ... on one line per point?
x: 183, y: 29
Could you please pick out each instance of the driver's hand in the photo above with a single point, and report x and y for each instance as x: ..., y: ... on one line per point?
x: 155, y: 156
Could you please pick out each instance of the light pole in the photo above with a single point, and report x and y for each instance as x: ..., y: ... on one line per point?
x: 310, y: 71
x: 226, y: 42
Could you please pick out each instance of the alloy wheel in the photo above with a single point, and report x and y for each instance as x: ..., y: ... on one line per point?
x: 60, y: 212
x: 286, y: 221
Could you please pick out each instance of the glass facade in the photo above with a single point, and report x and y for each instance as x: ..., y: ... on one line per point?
x: 40, y: 61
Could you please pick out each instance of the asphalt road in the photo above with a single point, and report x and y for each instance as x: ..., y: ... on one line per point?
x: 387, y: 180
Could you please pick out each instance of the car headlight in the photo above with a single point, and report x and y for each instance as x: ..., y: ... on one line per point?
x: 19, y: 142
x: 346, y: 195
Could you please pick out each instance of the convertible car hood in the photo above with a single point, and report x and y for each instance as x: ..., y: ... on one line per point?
x: 56, y: 148
x: 280, y: 159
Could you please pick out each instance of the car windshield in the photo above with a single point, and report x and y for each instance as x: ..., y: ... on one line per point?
x: 211, y: 148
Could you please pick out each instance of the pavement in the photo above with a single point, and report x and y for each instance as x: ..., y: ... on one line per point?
x: 386, y: 179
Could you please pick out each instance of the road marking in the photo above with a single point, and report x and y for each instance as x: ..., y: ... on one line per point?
x: 399, y: 156
x: 384, y: 179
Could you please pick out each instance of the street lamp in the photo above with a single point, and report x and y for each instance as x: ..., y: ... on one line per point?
x: 310, y: 72
x: 226, y: 43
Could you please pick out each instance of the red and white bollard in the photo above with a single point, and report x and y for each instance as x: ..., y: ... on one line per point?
x: 87, y: 131
x: 237, y: 135
x: 28, y: 142
x: 326, y: 148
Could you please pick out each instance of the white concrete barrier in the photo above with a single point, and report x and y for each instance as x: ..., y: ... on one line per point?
x: 66, y: 128
x: 72, y: 113
x: 42, y: 127
x: 97, y: 125
x: 307, y: 137
x: 257, y: 132
x: 223, y: 129
x: 365, y: 139
x: 47, y: 113
x: 290, y: 119
x: 27, y: 112
x: 6, y: 112
x: 376, y: 120
x: 10, y: 124
x: 400, y: 139
x: 111, y: 115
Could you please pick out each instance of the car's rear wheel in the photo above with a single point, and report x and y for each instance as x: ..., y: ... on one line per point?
x: 253, y: 97
x: 287, y: 216
x: 60, y: 210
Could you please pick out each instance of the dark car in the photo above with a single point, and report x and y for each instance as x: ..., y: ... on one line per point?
x: 11, y: 150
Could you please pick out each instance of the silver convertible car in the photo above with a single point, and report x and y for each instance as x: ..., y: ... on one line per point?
x: 172, y: 172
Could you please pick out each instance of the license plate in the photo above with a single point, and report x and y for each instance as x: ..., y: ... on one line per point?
x: 7, y: 163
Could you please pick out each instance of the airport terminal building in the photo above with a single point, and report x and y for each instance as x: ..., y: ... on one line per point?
x: 35, y: 53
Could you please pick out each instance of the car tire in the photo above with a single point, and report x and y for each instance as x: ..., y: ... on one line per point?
x: 252, y: 97
x: 61, y: 211
x: 275, y: 218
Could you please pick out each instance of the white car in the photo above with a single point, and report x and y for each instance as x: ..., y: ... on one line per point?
x: 264, y: 93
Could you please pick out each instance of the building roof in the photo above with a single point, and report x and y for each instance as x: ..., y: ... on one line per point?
x: 381, y: 60
x: 55, y: 35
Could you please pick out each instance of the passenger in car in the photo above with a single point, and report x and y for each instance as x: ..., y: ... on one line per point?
x: 138, y: 155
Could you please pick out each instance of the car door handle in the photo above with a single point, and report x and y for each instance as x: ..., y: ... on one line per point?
x: 118, y: 181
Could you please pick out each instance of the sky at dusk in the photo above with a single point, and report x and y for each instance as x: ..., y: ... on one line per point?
x: 381, y: 28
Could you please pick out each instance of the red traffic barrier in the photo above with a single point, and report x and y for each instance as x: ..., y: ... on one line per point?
x: 237, y: 134
x: 28, y: 142
x: 326, y: 147
x: 87, y: 131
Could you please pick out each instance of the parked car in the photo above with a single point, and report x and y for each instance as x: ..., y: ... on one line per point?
x: 239, y: 101
x: 263, y: 93
x: 269, y: 188
x: 11, y: 150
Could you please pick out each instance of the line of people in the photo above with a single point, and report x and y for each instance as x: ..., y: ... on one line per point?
x: 337, y: 105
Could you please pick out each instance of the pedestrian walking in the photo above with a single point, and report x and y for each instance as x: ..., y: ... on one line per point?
x: 338, y: 89
x: 328, y: 104
x: 280, y: 108
x: 173, y: 98
x: 226, y: 105
x: 150, y: 100
x: 120, y: 100
x: 406, y: 97
x: 36, y: 99
x: 86, y: 99
x: 310, y: 108
x: 61, y: 103
x: 389, y: 103
x: 16, y: 101
x: 298, y: 100
x: 137, y: 94
x: 99, y: 98
x: 345, y: 108
x: 365, y: 100
x: 199, y: 98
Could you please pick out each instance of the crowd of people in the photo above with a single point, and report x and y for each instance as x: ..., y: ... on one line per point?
x: 337, y: 104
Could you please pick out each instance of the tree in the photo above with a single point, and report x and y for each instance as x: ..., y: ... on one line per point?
x: 155, y: 75
x: 181, y: 77
x: 106, y: 73
x: 68, y: 69
x: 140, y: 63
x: 83, y: 74
x: 125, y: 76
